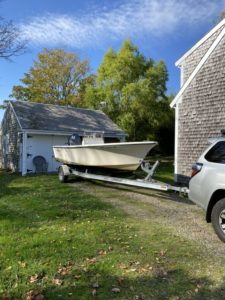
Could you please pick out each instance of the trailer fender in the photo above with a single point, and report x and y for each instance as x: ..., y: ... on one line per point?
x: 63, y: 173
x: 65, y: 169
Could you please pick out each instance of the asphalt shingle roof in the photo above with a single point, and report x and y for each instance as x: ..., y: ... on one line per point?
x: 38, y: 116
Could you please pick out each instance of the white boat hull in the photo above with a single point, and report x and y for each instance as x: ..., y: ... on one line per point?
x: 122, y: 156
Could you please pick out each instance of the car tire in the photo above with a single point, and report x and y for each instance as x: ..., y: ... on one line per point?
x: 218, y: 219
x: 62, y: 176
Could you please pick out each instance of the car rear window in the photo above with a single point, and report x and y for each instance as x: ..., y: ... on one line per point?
x: 217, y: 153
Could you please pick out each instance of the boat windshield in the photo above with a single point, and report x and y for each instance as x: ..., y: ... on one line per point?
x: 95, y: 138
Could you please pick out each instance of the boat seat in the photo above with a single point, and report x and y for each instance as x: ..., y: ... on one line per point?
x: 40, y: 164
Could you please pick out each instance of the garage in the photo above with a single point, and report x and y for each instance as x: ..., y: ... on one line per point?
x: 29, y: 130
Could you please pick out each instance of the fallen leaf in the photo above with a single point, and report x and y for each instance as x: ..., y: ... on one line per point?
x: 34, y: 295
x: 157, y: 260
x: 91, y: 260
x: 33, y: 278
x: 65, y: 269
x: 122, y: 266
x: 120, y: 280
x: 36, y: 277
x: 57, y: 281
x: 136, y: 263
x: 22, y: 264
x: 116, y: 290
x: 143, y: 270
x: 102, y: 252
x: 131, y: 270
x: 163, y: 252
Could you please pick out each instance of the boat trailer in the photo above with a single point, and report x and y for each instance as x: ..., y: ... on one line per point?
x: 148, y: 182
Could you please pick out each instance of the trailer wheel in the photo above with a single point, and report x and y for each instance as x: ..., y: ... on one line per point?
x: 62, y: 176
x: 218, y: 219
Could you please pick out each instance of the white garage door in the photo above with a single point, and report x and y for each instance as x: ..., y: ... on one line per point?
x: 42, y: 145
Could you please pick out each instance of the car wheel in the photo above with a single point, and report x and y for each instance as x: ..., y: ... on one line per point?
x: 218, y: 219
x: 62, y: 176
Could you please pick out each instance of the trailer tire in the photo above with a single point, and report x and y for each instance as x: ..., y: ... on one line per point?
x: 218, y: 219
x: 62, y: 177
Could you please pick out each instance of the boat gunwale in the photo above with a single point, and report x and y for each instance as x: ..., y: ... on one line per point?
x: 106, y: 144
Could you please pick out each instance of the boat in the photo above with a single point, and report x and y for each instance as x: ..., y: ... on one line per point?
x: 121, y: 156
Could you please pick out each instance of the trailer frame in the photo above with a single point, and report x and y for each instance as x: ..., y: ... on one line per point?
x: 148, y: 182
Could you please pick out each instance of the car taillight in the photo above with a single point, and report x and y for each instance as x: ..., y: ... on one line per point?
x: 196, y: 168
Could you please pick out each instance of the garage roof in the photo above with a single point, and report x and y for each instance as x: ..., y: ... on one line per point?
x: 48, y: 117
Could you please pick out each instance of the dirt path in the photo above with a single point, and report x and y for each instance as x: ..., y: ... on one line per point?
x: 178, y: 214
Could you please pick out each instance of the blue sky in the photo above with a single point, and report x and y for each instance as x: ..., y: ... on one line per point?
x: 162, y: 29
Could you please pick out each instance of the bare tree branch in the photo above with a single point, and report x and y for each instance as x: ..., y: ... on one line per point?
x: 11, y: 43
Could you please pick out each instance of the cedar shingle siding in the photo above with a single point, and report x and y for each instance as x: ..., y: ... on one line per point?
x: 10, y: 142
x: 190, y: 62
x: 201, y: 111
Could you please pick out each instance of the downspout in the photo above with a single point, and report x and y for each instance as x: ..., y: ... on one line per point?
x: 24, y: 154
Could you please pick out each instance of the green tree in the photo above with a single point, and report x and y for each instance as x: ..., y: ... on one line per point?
x: 132, y: 90
x: 56, y: 77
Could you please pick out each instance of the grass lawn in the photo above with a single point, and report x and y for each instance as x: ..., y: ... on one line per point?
x: 59, y: 242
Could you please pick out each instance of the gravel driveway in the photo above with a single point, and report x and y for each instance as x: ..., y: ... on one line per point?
x: 177, y: 213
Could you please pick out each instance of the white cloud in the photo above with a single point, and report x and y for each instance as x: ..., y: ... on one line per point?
x: 131, y: 18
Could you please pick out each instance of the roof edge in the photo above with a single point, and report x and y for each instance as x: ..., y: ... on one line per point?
x: 65, y: 106
x: 52, y: 132
x: 198, y: 68
x: 199, y: 43
x: 11, y: 105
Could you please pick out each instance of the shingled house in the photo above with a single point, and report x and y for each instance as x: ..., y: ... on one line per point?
x: 31, y: 129
x: 200, y: 103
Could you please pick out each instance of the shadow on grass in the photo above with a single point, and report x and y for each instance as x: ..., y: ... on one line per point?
x: 7, y: 189
x: 176, y: 284
x: 41, y: 198
x: 169, y: 195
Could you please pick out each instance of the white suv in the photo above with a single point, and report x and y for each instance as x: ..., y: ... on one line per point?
x: 207, y: 185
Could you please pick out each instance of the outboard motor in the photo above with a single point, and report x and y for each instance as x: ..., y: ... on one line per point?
x: 74, y: 139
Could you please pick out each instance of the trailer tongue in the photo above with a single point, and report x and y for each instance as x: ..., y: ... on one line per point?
x: 147, y: 182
